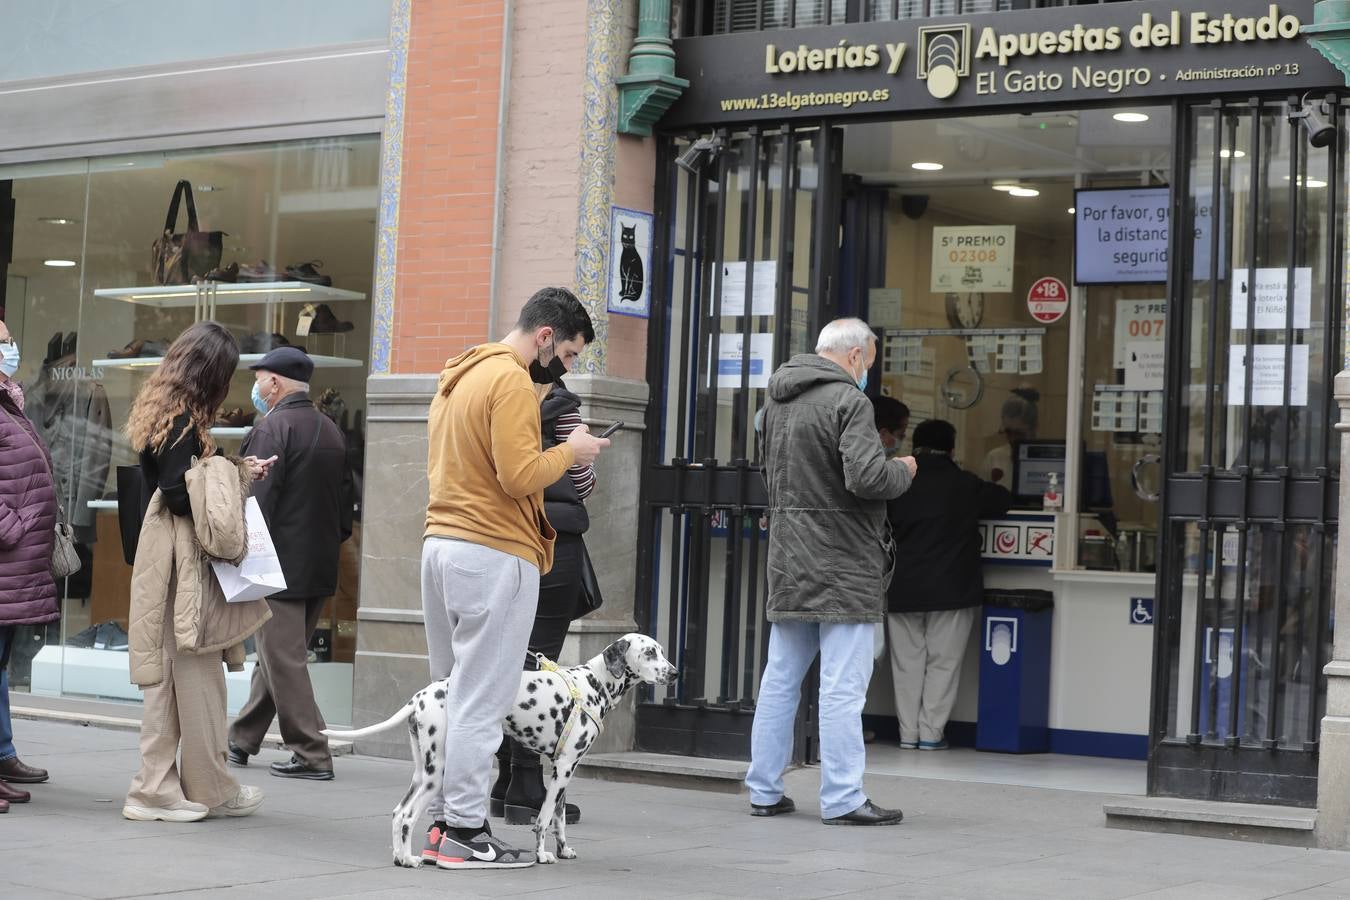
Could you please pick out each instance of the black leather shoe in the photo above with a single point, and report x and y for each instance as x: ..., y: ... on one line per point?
x: 298, y: 768
x: 867, y: 814
x: 236, y: 755
x: 784, y: 805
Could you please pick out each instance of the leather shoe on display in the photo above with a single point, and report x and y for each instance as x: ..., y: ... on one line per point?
x: 16, y: 772
x: 867, y: 814
x: 298, y: 768
x: 783, y: 806
x: 228, y: 274
x: 13, y: 795
x: 309, y: 272
x: 261, y: 271
x: 327, y: 323
x: 236, y: 755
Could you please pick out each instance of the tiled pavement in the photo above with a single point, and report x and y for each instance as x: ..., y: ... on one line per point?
x: 330, y: 840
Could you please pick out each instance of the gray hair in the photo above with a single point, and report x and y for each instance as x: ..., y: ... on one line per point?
x: 291, y: 385
x: 842, y: 335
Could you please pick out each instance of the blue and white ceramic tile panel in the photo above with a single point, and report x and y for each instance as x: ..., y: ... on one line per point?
x: 391, y: 180
x: 599, y: 143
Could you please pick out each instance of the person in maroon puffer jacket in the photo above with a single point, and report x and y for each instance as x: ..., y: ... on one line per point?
x: 27, y: 532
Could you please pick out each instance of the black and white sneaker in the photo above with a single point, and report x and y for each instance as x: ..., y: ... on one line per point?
x: 482, y: 851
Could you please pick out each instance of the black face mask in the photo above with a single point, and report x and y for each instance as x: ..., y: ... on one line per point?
x: 548, y: 374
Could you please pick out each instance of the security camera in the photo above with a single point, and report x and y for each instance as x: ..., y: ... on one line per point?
x: 698, y: 154
x: 1313, y: 119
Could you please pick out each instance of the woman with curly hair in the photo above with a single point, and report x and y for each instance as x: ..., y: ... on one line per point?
x: 170, y: 424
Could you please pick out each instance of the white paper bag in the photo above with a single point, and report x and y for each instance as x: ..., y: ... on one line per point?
x: 259, y: 575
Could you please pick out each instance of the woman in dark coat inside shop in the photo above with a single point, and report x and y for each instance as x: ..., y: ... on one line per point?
x: 27, y: 533
x: 518, y: 791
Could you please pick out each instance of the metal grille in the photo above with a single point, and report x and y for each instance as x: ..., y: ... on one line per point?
x: 1254, y: 335
x: 706, y: 17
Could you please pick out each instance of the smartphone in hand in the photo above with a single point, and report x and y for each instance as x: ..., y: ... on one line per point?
x: 611, y: 429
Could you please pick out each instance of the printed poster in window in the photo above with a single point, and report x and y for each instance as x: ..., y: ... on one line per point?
x: 731, y: 358
x: 630, y: 262
x: 973, y: 258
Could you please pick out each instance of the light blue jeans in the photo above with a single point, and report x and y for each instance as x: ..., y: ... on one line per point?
x: 845, y: 669
x: 6, y: 726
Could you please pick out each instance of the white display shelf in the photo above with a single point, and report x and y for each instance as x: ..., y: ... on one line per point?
x: 245, y: 360
x: 222, y: 432
x: 103, y: 504
x: 188, y: 296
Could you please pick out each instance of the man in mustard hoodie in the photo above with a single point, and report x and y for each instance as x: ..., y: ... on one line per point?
x: 486, y: 543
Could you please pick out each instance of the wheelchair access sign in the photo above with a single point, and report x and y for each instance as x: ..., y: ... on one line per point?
x: 1141, y: 610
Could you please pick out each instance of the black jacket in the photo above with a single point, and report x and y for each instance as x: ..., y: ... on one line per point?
x: 307, y: 497
x: 829, y: 554
x: 562, y: 504
x: 937, y: 537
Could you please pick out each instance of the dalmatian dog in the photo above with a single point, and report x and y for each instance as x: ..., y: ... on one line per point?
x: 557, y: 713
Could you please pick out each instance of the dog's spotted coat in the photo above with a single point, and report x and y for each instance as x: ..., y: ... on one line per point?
x: 537, y: 719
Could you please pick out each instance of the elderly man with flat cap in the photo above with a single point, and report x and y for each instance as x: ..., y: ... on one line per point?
x: 307, y: 503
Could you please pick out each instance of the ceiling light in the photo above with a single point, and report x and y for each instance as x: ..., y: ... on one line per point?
x: 1132, y: 118
x: 1072, y: 210
x: 927, y: 166
x: 1225, y: 153
x: 1024, y: 192
x: 58, y: 220
x: 1004, y: 185
x: 59, y: 263
x: 1308, y: 182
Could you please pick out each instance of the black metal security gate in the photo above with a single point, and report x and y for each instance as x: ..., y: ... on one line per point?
x: 1249, y: 512
x: 751, y: 240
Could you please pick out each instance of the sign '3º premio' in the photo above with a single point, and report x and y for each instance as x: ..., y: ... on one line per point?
x: 1078, y: 54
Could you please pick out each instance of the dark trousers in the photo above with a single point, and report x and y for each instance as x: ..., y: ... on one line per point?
x: 281, y: 685
x: 559, y: 603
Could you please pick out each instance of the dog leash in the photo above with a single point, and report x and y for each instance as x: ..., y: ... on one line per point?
x: 578, y: 709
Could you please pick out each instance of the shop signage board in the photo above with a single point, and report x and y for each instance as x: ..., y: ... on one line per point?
x: 1082, y: 54
x: 973, y: 258
x: 1268, y: 377
x: 630, y: 262
x: 1048, y: 300
x: 764, y: 287
x: 1272, y: 297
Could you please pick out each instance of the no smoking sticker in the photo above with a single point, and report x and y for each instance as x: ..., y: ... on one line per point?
x: 1048, y: 300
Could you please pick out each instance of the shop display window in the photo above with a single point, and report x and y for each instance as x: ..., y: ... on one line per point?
x: 286, y: 257
x: 983, y: 320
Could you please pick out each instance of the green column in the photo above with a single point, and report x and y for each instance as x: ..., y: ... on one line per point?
x: 650, y: 87
x: 1329, y: 34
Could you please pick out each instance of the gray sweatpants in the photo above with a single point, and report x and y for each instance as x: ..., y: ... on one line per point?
x: 478, y: 604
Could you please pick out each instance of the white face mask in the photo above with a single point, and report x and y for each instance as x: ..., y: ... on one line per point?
x: 9, y: 358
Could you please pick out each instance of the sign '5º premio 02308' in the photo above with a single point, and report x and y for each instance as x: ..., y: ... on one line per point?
x: 1074, y: 54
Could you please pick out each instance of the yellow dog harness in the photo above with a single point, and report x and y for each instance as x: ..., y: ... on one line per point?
x: 578, y: 708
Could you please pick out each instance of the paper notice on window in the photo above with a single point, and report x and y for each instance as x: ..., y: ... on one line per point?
x: 1268, y: 376
x: 733, y: 288
x: 1137, y: 320
x: 1144, y: 364
x: 731, y: 360
x: 1272, y: 297
x: 883, y: 307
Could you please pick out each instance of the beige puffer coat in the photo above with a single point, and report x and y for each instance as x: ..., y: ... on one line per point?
x: 175, y: 554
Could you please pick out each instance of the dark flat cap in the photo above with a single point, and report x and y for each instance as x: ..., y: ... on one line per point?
x: 288, y: 362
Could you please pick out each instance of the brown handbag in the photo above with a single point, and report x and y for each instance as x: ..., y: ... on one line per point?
x: 177, y: 258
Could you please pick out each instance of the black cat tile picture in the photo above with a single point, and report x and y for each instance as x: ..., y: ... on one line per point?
x: 630, y: 255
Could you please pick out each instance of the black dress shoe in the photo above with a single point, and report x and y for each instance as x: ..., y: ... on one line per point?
x: 15, y: 772
x: 784, y: 805
x: 298, y: 768
x: 236, y: 755
x: 867, y: 814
